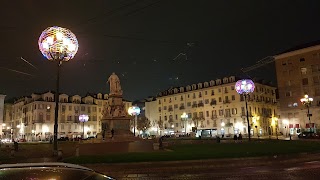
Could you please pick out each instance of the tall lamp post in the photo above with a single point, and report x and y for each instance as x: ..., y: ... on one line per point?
x: 306, y: 101
x: 83, y: 118
x: 57, y: 44
x: 134, y: 111
x: 244, y: 87
x: 184, y: 116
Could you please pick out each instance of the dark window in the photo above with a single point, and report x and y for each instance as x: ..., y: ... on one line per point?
x: 305, y: 81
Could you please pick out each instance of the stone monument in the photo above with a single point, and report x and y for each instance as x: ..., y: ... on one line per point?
x: 114, y: 114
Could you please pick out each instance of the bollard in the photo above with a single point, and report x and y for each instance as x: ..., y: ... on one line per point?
x: 60, y: 153
x: 77, y: 151
x: 12, y: 152
x: 16, y: 146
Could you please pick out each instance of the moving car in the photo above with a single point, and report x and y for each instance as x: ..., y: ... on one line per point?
x: 49, y: 170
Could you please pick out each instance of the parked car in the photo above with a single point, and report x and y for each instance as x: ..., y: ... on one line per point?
x: 309, y: 135
x: 52, y: 170
x: 63, y: 139
x: 22, y: 140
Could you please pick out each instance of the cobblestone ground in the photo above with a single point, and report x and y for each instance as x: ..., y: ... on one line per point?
x: 278, y: 168
x: 269, y: 172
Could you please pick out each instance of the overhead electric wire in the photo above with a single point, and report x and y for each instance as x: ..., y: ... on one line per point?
x: 108, y: 13
x: 13, y: 70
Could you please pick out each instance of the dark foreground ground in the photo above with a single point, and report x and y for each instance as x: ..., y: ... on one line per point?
x: 304, y: 166
x: 293, y: 166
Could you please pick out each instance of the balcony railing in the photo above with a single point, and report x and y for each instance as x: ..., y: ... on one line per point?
x: 181, y: 107
x: 194, y: 105
x: 214, y: 116
x: 37, y: 121
x: 200, y: 105
x: 213, y: 103
x: 170, y: 109
x: 226, y: 101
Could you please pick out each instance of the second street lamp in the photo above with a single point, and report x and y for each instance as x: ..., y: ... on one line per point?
x: 134, y: 111
x: 184, y: 117
x: 244, y: 87
x: 57, y: 44
x: 306, y: 101
x: 83, y: 118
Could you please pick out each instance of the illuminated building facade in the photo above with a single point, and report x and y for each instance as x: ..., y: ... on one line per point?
x: 2, y: 125
x: 214, y: 108
x: 298, y: 74
x: 32, y: 118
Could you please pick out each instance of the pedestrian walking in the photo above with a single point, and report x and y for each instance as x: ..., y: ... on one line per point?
x: 112, y: 133
x: 240, y: 137
x: 235, y: 138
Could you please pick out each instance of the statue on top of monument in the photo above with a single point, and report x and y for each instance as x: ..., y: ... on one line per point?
x: 114, y: 83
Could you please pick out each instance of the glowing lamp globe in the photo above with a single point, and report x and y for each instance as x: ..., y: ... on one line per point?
x: 57, y: 43
x: 134, y: 110
x: 83, y: 118
x: 244, y: 86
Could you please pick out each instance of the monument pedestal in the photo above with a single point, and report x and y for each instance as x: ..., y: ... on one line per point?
x: 121, y: 127
x: 115, y: 116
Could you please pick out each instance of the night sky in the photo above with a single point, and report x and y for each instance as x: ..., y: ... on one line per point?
x: 140, y: 40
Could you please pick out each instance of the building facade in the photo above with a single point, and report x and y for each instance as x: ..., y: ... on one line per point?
x: 32, y: 118
x: 2, y: 125
x: 298, y: 74
x: 214, y: 108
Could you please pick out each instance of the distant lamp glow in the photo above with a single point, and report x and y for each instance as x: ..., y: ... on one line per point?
x: 134, y: 110
x: 83, y: 118
x: 3, y: 124
x: 45, y: 129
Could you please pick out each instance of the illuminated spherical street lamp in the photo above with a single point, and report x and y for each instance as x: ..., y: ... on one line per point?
x: 83, y: 118
x: 307, y: 101
x: 184, y: 117
x: 57, y: 44
x: 134, y: 111
x: 244, y: 87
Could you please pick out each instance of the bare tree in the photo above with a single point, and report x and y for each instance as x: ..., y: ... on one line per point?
x: 143, y: 124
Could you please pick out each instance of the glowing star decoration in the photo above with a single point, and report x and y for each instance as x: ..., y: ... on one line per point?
x: 134, y: 110
x: 83, y: 118
x: 244, y: 86
x: 57, y: 43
